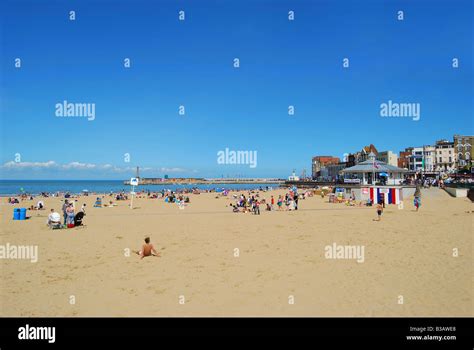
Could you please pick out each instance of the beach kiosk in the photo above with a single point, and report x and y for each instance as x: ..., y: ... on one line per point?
x: 376, y: 180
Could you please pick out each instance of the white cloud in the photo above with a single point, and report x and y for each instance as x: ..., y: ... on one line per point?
x: 78, y: 166
x: 25, y: 165
x: 72, y: 166
x: 172, y: 170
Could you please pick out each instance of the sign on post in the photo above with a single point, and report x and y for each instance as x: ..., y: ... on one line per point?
x: 133, y: 183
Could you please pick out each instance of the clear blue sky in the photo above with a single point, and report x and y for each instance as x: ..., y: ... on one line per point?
x: 190, y: 63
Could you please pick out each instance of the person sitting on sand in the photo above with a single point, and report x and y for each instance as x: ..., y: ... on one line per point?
x: 147, y: 249
x: 54, y: 219
x: 40, y: 205
x: 98, y: 203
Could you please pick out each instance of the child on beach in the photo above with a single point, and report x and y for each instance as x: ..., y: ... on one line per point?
x: 417, y: 202
x: 147, y: 249
x: 379, y: 212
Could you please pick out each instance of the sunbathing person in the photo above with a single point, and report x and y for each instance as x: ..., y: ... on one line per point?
x: 147, y: 249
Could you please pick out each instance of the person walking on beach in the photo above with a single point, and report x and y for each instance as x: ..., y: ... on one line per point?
x: 279, y: 202
x: 272, y: 202
x: 417, y: 199
x: 379, y: 212
x: 147, y: 249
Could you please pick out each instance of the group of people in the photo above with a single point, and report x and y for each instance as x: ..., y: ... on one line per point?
x: 290, y: 200
x: 252, y: 203
x: 70, y: 219
x: 246, y: 205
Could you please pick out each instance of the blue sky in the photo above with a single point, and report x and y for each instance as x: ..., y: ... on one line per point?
x: 190, y: 63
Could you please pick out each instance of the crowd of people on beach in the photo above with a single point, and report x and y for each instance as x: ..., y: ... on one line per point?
x: 252, y: 202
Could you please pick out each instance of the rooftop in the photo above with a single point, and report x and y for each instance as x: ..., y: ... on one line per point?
x: 370, y: 165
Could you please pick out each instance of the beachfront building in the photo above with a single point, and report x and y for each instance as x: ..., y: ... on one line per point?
x: 388, y: 157
x: 372, y: 172
x: 463, y: 149
x: 293, y: 177
x: 445, y: 157
x: 320, y: 162
x: 364, y: 153
x: 404, y: 158
x: 429, y: 159
x: 415, y: 160
x: 334, y: 171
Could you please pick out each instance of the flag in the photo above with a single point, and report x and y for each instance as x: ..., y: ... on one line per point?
x: 375, y: 165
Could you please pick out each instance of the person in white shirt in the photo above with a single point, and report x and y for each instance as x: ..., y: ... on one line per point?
x: 54, y: 218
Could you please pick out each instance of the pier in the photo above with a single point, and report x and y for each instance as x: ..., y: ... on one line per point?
x: 203, y: 181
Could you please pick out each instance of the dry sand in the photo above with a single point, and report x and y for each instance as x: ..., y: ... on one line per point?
x: 281, y: 254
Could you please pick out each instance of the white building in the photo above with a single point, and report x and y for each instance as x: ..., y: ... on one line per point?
x: 293, y: 177
x: 429, y: 158
x: 415, y: 161
x: 445, y: 156
x: 422, y: 159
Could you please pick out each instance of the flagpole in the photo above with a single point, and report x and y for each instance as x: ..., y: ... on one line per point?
x: 373, y: 171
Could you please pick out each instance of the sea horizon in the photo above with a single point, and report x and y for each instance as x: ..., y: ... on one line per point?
x: 35, y: 187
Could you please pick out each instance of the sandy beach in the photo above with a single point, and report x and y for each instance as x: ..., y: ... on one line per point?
x: 281, y: 258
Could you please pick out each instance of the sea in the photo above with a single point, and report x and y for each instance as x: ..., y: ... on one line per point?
x: 34, y: 187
